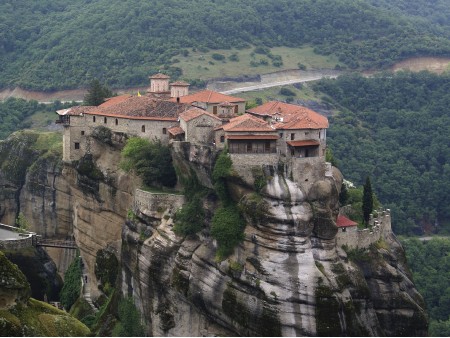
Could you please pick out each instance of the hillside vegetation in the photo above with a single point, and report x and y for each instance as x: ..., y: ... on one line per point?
x: 396, y: 129
x: 430, y: 264
x: 48, y: 45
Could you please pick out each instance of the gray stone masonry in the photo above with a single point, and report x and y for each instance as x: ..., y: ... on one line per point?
x: 354, y: 238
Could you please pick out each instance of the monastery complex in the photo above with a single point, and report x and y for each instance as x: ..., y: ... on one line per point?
x: 271, y: 133
x: 169, y: 113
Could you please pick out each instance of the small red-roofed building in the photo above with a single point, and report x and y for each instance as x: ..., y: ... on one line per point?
x: 345, y: 224
x: 247, y: 134
x: 198, y: 125
x: 301, y: 131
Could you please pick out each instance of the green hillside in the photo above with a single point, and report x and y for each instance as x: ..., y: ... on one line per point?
x: 58, y: 44
x: 396, y: 129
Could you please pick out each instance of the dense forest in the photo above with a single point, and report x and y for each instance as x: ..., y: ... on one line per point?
x: 14, y: 114
x: 60, y: 44
x: 430, y: 264
x: 396, y: 129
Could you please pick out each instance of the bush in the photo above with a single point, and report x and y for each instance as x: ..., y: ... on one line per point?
x: 189, y: 220
x: 130, y: 320
x: 227, y: 228
x: 286, y: 92
x: 218, y: 57
x: 152, y: 161
x: 233, y: 57
x: 106, y: 267
x: 102, y: 134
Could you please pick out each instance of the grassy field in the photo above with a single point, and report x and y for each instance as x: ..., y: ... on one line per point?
x: 203, y: 65
x: 302, y: 92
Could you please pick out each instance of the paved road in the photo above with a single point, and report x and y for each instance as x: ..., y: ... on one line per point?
x: 275, y: 84
x: 428, y: 238
x: 6, y: 234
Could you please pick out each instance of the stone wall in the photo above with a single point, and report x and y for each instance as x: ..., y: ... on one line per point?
x: 379, y: 227
x: 201, y: 129
x: 81, y: 128
x: 155, y: 204
x: 24, y: 240
x: 244, y: 164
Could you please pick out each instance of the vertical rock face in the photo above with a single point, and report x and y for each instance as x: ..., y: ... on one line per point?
x: 286, y: 278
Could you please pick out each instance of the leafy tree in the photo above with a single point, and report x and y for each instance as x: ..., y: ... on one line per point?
x: 96, y: 94
x: 429, y: 262
x: 343, y: 195
x: 130, y: 320
x: 189, y: 220
x: 367, y: 202
x: 22, y: 223
x: 150, y: 160
x: 72, y: 284
x: 287, y: 92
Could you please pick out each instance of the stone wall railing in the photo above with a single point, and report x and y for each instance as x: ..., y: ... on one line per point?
x: 156, y: 204
x: 379, y: 227
x: 24, y: 240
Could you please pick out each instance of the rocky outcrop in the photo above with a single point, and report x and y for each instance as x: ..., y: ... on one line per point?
x: 40, y: 272
x: 21, y: 315
x: 286, y: 278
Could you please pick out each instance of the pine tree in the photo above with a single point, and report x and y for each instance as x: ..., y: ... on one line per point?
x: 96, y: 94
x: 367, y: 204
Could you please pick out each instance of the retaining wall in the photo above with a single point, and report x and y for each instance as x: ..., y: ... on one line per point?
x: 355, y: 238
x: 156, y: 204
x: 25, y: 240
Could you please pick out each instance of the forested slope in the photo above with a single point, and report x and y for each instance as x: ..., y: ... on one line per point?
x: 429, y: 262
x: 59, y: 44
x: 396, y: 129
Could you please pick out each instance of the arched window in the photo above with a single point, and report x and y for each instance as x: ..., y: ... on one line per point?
x: 222, y: 139
x: 105, y: 120
x: 93, y: 118
x: 117, y: 122
x: 164, y: 131
x: 143, y: 128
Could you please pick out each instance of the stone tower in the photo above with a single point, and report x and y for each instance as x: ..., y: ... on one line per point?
x: 159, y: 83
x: 179, y: 89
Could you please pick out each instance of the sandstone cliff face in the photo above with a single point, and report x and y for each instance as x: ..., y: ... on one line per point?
x: 286, y: 278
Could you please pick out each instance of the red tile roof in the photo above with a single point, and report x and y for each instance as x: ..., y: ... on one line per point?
x: 159, y: 76
x: 293, y: 116
x: 248, y: 123
x: 175, y: 131
x: 195, y: 112
x: 343, y: 221
x: 115, y: 100
x: 303, y: 143
x: 252, y: 137
x: 207, y: 96
x: 140, y: 107
x: 75, y: 111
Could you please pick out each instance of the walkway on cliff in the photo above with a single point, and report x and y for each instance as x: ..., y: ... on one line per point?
x: 86, y: 289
